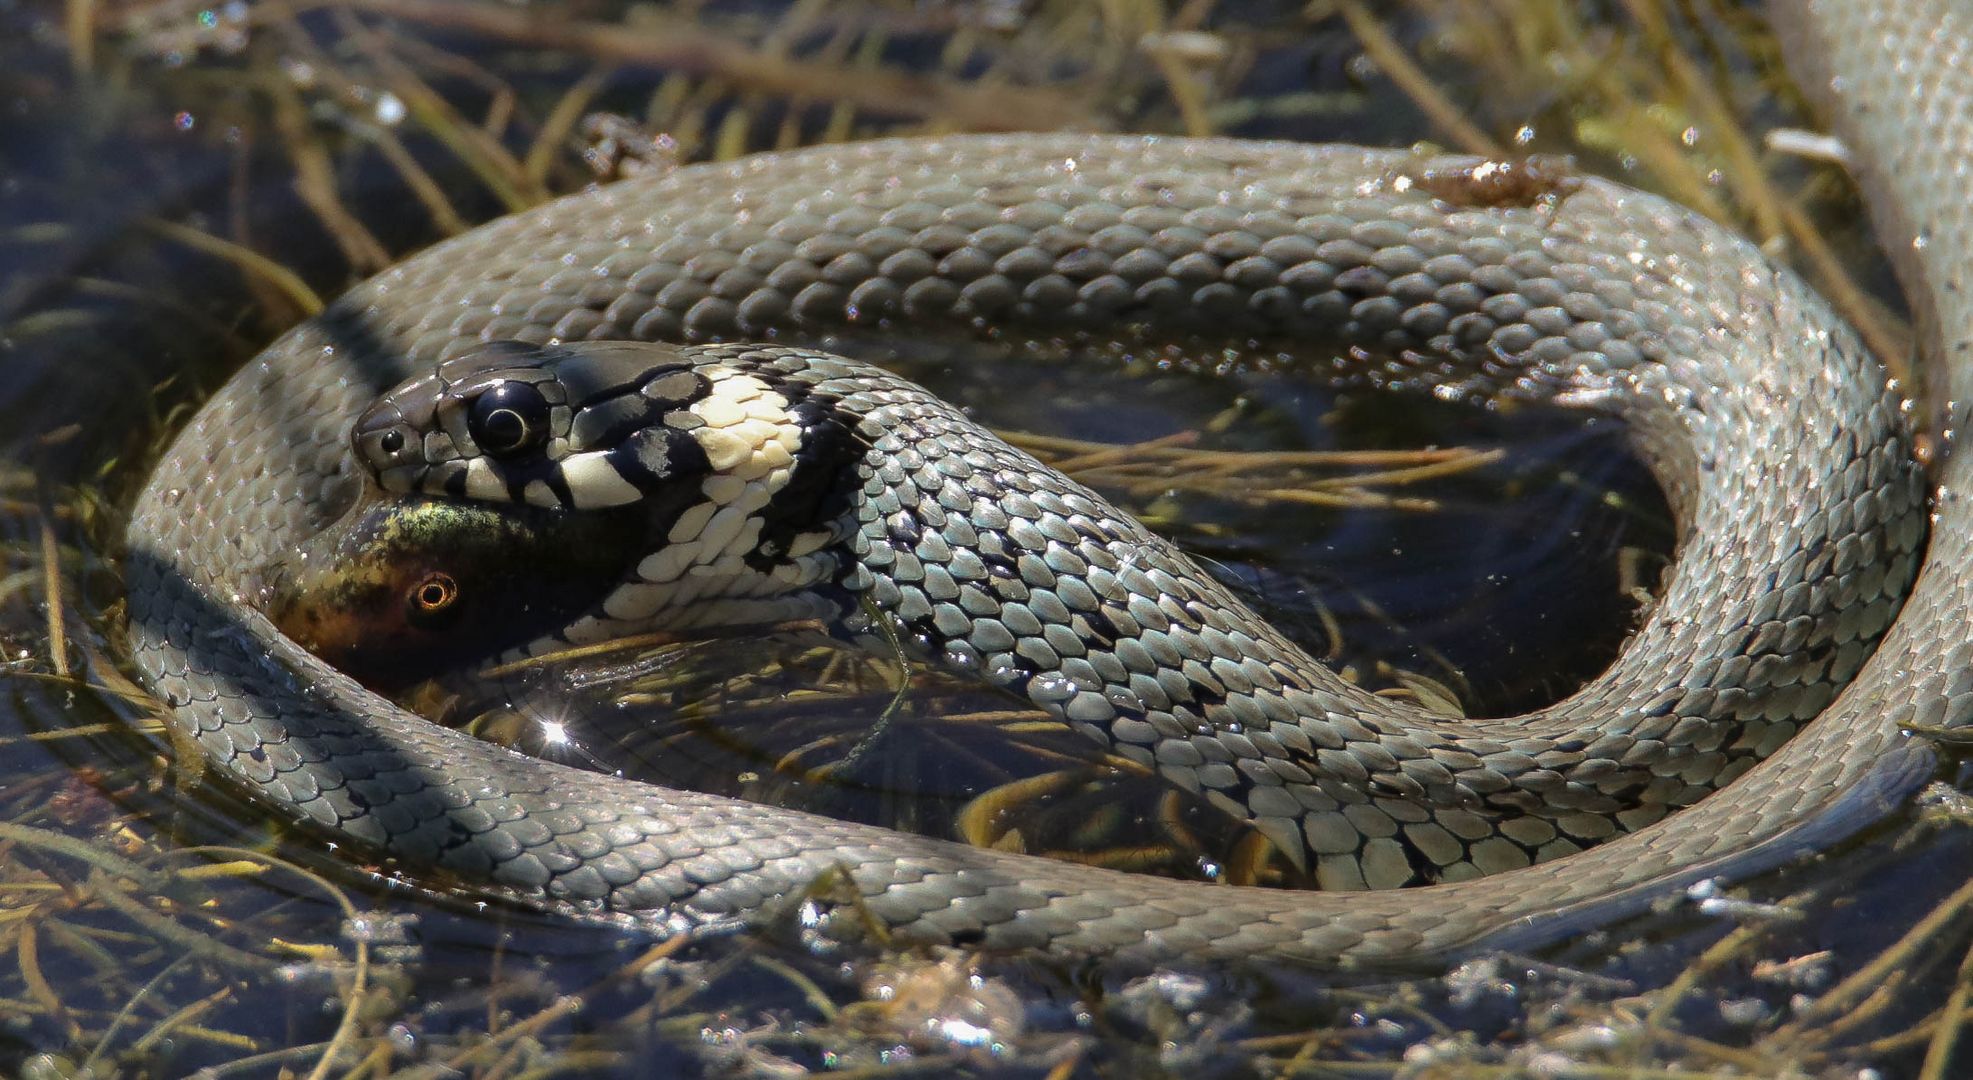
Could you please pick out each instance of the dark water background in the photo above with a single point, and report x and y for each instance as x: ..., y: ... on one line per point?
x: 129, y: 947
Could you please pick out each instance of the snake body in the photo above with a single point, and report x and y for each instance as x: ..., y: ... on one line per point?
x: 787, y: 484
x: 1774, y: 433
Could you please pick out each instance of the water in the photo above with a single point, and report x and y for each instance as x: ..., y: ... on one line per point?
x: 130, y: 944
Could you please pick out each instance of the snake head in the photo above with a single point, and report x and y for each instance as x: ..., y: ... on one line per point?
x: 583, y: 426
x: 444, y: 432
x: 731, y: 456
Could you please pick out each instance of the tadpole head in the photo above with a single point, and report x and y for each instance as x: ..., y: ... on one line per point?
x: 407, y: 588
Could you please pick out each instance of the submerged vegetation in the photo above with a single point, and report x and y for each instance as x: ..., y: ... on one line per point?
x: 187, y: 179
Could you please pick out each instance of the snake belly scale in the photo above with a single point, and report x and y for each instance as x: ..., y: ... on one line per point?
x: 1777, y: 438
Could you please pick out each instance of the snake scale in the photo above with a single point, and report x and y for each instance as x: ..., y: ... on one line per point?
x: 1776, y: 436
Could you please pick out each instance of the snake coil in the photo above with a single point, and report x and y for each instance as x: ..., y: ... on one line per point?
x: 1775, y: 435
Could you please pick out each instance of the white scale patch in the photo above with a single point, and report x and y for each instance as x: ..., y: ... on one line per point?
x: 750, y: 440
x: 483, y: 483
x: 594, y: 483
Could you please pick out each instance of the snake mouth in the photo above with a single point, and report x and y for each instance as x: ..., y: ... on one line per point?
x: 406, y: 588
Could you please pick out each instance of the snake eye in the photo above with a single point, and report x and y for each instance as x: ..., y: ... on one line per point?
x: 509, y: 418
x: 430, y: 599
x: 391, y: 441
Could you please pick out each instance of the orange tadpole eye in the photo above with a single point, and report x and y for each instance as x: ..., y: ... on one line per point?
x: 431, y: 598
x: 436, y: 593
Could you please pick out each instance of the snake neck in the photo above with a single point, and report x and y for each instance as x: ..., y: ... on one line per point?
x: 989, y: 564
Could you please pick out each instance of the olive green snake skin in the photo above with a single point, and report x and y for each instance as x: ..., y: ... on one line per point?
x: 1776, y: 436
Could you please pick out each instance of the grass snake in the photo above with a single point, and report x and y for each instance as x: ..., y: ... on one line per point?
x: 1779, y: 440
